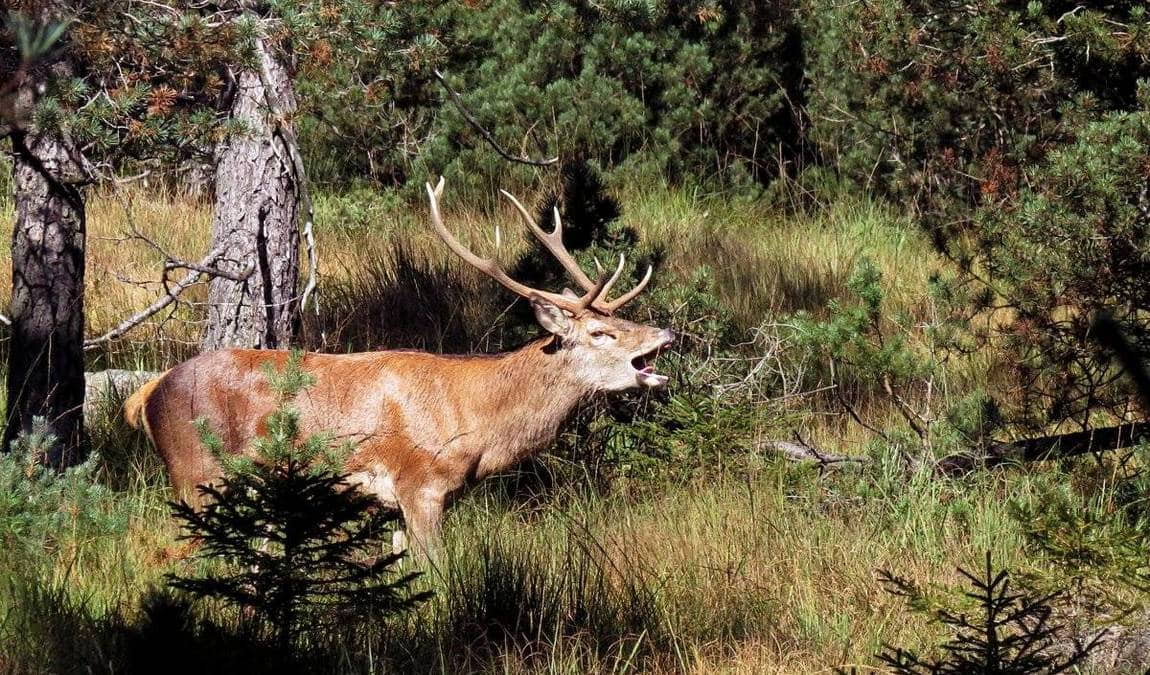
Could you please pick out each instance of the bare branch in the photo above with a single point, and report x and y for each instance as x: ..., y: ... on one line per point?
x: 487, y: 136
x: 799, y: 450
x: 909, y: 414
x: 1045, y: 448
x: 173, y: 264
x: 171, y: 294
x: 131, y: 179
x: 856, y: 417
x: 312, y: 265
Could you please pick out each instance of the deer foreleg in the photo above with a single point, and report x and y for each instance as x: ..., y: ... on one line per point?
x: 423, y: 515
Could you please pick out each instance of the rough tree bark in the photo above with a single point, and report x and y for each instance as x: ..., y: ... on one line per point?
x: 256, y: 214
x: 46, y: 363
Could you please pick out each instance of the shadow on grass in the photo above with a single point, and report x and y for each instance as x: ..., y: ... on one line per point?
x: 402, y: 301
x: 495, y: 603
x: 527, y: 600
x: 47, y: 630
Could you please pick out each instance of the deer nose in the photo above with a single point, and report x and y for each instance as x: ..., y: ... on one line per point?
x: 667, y: 335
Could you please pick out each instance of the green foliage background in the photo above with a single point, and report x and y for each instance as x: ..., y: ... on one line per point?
x: 659, y: 89
x: 1017, y: 132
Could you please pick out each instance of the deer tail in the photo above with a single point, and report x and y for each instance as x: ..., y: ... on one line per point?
x: 134, y: 408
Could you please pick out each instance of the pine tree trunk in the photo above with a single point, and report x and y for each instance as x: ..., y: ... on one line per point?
x: 256, y: 216
x: 46, y: 364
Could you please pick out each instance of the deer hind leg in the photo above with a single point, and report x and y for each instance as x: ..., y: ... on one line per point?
x: 380, y: 485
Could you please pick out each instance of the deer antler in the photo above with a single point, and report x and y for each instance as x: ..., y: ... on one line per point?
x: 492, y: 269
x: 553, y: 241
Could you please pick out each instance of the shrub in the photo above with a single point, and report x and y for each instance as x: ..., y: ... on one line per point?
x: 41, y: 508
x: 1007, y: 633
x: 1099, y: 544
x: 871, y: 352
x: 705, y: 420
x: 661, y: 88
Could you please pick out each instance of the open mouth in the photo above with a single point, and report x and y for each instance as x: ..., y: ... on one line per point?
x: 644, y: 365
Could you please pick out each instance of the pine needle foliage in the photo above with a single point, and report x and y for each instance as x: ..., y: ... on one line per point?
x: 1017, y: 133
x: 294, y: 544
x: 1011, y: 633
x: 42, y: 508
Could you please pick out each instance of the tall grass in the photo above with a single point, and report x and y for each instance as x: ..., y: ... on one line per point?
x: 773, y: 574
x: 373, y: 260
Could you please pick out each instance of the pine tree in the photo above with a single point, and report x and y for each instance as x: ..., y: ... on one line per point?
x: 46, y: 368
x: 1012, y: 633
x: 1017, y: 133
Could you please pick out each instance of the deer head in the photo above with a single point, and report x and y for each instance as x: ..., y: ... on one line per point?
x: 604, y: 352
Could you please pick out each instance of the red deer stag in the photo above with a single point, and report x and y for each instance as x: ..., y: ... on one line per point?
x: 425, y: 426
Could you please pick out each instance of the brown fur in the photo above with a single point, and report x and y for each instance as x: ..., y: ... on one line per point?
x: 424, y: 426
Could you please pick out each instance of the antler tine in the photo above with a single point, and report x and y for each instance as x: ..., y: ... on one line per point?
x: 489, y: 266
x: 554, y: 243
x: 610, y: 307
x: 596, y: 292
x: 602, y: 297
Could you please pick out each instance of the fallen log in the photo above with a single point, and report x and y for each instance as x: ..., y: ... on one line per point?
x: 799, y: 450
x: 104, y: 387
x: 1045, y: 448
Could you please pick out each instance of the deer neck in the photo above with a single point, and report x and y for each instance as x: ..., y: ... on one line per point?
x: 532, y: 391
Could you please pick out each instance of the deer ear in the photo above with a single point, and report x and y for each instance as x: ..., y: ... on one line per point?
x: 553, y: 319
x: 568, y: 293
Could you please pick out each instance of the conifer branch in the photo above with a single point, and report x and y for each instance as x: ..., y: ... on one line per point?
x: 487, y: 135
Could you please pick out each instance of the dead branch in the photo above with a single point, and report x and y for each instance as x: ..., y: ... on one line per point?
x: 173, y: 264
x: 1044, y: 448
x: 312, y: 265
x: 799, y: 450
x: 487, y: 135
x: 856, y: 417
x: 171, y: 294
x: 912, y: 418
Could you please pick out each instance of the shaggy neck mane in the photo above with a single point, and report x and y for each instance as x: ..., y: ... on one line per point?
x: 531, y: 391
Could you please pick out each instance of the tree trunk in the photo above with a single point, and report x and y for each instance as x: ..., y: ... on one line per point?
x: 46, y: 364
x: 256, y: 215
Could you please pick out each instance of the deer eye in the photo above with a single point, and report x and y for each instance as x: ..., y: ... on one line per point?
x: 602, y: 334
